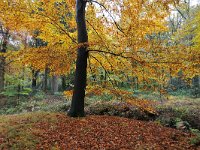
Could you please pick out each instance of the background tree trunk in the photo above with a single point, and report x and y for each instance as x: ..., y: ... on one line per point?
x: 54, y: 84
x: 45, y: 84
x: 77, y: 106
x: 2, y: 72
x: 5, y: 35
x: 34, y: 79
x: 64, y: 84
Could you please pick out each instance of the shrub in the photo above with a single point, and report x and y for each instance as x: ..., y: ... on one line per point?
x: 171, y: 115
x: 193, y: 118
x: 122, y: 109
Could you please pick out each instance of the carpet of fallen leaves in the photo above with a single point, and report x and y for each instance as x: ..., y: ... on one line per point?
x: 101, y: 132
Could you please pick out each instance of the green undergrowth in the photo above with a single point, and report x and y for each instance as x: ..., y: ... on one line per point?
x: 175, y: 110
x: 39, y: 102
x: 170, y: 112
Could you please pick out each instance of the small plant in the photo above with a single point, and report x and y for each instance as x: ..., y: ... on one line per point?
x: 195, y: 140
x: 39, y: 95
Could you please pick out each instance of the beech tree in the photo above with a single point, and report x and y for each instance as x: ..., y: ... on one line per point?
x: 77, y: 106
x: 124, y: 41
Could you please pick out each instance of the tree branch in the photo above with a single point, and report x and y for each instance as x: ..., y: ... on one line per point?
x: 116, y: 24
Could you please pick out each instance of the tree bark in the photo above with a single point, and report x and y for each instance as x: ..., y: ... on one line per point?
x: 64, y: 84
x: 2, y: 73
x: 45, y: 86
x: 77, y: 105
x: 54, y: 84
x: 34, y: 78
x: 2, y: 58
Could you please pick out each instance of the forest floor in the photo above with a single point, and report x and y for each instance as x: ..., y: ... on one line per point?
x: 43, y: 130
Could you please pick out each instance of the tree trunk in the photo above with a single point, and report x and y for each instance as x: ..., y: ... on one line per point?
x: 54, y: 84
x: 64, y: 84
x: 2, y: 73
x: 18, y: 92
x: 34, y: 79
x: 45, y: 86
x: 196, y: 86
x: 77, y: 105
x: 136, y: 84
x: 2, y: 58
